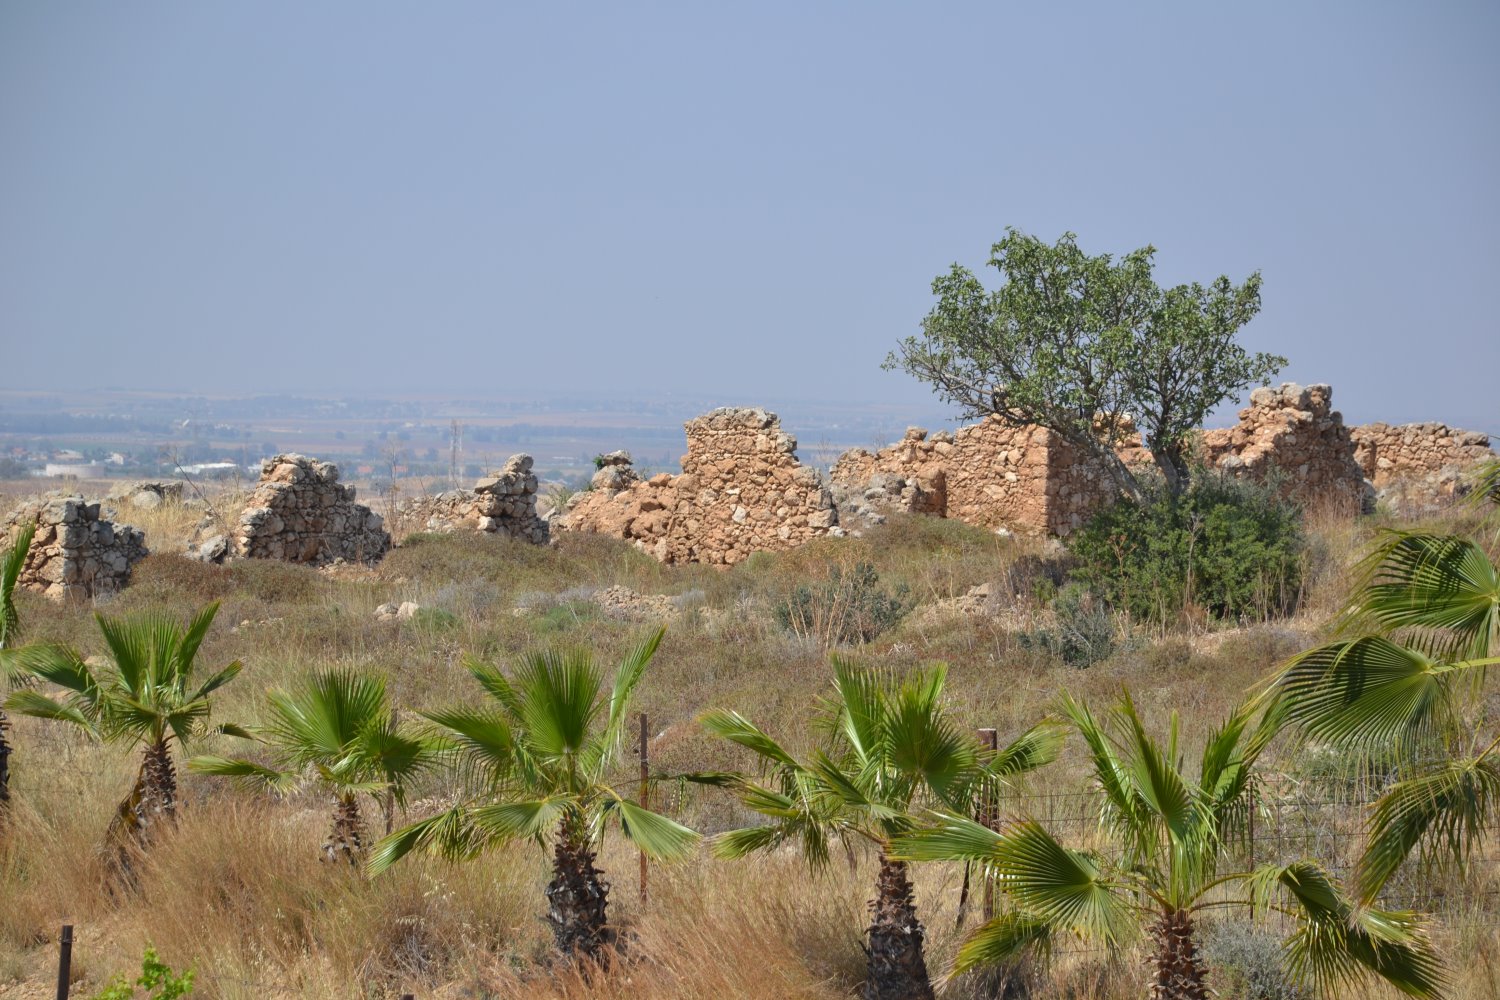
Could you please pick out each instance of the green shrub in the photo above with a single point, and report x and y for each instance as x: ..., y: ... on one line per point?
x: 851, y: 607
x: 157, y: 978
x: 1227, y: 548
x: 1084, y: 632
x: 1250, y: 963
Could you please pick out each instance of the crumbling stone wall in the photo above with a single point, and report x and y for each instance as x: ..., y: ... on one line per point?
x: 75, y: 552
x: 741, y: 490
x: 1388, y: 453
x: 1295, y: 431
x: 502, y: 503
x: 300, y: 512
x: 991, y: 474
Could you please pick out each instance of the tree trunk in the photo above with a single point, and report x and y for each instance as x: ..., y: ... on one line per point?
x: 152, y: 802
x: 1119, y: 473
x: 4, y: 760
x: 576, y: 896
x: 1171, y: 459
x: 895, y: 969
x: 346, y: 841
x: 1176, y: 971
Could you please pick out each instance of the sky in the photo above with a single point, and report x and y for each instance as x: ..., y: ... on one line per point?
x: 739, y: 200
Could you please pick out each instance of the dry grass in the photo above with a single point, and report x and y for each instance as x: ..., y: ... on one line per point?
x: 237, y: 891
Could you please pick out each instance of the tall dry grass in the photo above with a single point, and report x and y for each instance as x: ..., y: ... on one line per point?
x: 237, y: 891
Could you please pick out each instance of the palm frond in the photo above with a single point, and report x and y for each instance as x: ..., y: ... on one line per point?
x: 449, y: 834
x: 1445, y: 812
x: 736, y: 728
x: 1370, y: 691
x: 559, y: 700
x: 1004, y: 939
x: 659, y: 837
x: 225, y: 767
x: 1063, y: 887
x: 38, y: 705
x: 11, y: 564
x: 1441, y: 593
x: 953, y: 838
x: 1336, y: 946
x: 627, y: 677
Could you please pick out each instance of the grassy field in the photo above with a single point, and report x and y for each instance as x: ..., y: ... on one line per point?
x: 238, y: 892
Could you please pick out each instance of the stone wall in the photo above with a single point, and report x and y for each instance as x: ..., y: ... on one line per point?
x: 502, y: 503
x: 741, y: 490
x: 75, y: 552
x: 1388, y: 452
x: 1419, y: 468
x: 1294, y: 431
x: 301, y: 513
x: 991, y: 474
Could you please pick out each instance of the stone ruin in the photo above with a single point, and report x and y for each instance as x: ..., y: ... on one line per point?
x: 1028, y: 479
x: 1422, y: 466
x: 75, y: 552
x: 299, y: 512
x: 990, y: 474
x: 502, y: 503
x: 741, y: 490
x: 1293, y: 434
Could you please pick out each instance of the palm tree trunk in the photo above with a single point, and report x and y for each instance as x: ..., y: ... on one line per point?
x: 576, y: 896
x: 895, y: 969
x: 4, y: 760
x: 152, y: 800
x: 1177, y: 972
x: 346, y: 841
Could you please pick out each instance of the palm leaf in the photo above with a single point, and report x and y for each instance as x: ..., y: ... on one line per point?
x: 656, y: 835
x: 188, y: 642
x: 1336, y: 946
x: 737, y: 729
x: 503, y: 821
x: 1063, y: 887
x: 38, y: 705
x: 1446, y: 811
x: 629, y: 674
x: 11, y: 565
x: 1003, y: 940
x: 225, y: 767
x: 1370, y: 691
x: 559, y: 701
x: 1440, y: 591
x: 449, y: 834
x: 954, y: 838
x: 218, y: 680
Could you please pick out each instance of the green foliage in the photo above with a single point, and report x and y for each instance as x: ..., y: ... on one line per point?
x: 1075, y: 343
x: 851, y: 607
x: 1250, y: 961
x: 1162, y: 841
x: 1084, y: 633
x: 1233, y: 549
x: 537, y: 758
x: 156, y: 977
x: 889, y: 746
x: 147, y: 694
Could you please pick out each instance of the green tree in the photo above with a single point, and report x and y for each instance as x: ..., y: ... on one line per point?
x: 339, y: 728
x: 1407, y: 677
x: 1083, y: 345
x: 888, y: 746
x: 147, y: 696
x: 537, y: 762
x: 1166, y: 840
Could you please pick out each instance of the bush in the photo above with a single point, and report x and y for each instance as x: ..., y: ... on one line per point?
x: 157, y: 978
x: 1084, y: 633
x: 1226, y: 548
x: 851, y: 607
x: 1250, y: 962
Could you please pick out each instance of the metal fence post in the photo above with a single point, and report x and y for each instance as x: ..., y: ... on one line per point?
x: 64, y: 961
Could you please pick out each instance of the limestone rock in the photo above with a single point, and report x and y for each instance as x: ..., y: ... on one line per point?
x: 741, y: 490
x: 502, y: 503
x: 75, y: 553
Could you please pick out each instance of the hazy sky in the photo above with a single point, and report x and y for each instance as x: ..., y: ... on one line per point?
x: 738, y: 199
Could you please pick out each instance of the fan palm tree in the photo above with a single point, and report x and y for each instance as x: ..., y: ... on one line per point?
x: 889, y: 746
x: 537, y: 762
x: 1418, y: 636
x: 338, y: 727
x: 147, y: 697
x: 11, y: 562
x: 1166, y: 843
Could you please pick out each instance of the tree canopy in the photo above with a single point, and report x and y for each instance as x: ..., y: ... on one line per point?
x: 1086, y: 346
